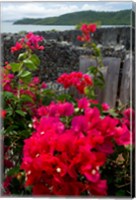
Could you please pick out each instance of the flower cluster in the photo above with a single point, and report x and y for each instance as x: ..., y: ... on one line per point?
x: 29, y: 41
x: 129, y: 120
x: 69, y: 142
x: 32, y: 90
x: 69, y: 146
x: 77, y: 79
x: 7, y: 78
x: 86, y: 29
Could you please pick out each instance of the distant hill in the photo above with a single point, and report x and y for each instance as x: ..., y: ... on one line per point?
x: 104, y: 18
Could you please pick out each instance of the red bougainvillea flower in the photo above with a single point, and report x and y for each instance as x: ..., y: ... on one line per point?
x: 86, y: 29
x: 3, y: 113
x: 92, y: 28
x: 6, y: 185
x: 84, y: 38
x: 77, y: 79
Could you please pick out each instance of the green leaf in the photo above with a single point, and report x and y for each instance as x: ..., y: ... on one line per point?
x: 13, y: 171
x: 20, y: 72
x: 92, y: 70
x: 28, y: 63
x: 26, y: 98
x: 11, y: 128
x: 35, y: 59
x: 26, y: 79
x: 120, y: 192
x: 20, y: 112
x: 113, y: 112
x: 98, y: 82
x: 9, y: 112
x: 65, y: 97
x: 8, y: 95
x: 25, y: 74
x: 89, y: 92
x: 15, y: 67
x: 28, y: 189
x: 22, y: 56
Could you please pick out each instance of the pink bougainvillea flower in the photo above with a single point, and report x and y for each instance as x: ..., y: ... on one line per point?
x: 129, y: 114
x: 83, y: 103
x: 93, y: 117
x: 95, y: 138
x: 67, y: 147
x: 42, y: 111
x: 107, y: 126
x: 29, y: 41
x: 106, y: 147
x: 99, y: 188
x: 33, y: 41
x: 122, y: 135
x: 36, y: 80
x: 105, y: 106
x: 17, y: 47
x: 65, y: 109
x: 43, y: 85
x: 129, y: 120
x: 79, y: 124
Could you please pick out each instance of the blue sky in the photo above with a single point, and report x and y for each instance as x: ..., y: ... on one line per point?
x: 32, y: 9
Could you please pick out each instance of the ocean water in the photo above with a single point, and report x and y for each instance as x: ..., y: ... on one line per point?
x: 9, y: 27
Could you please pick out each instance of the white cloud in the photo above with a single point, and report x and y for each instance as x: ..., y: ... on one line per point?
x: 35, y: 10
x: 97, y: 8
x: 19, y: 10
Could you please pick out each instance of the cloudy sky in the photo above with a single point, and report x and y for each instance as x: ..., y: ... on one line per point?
x: 32, y: 9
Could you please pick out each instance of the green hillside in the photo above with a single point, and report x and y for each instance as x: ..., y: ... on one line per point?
x: 105, y: 18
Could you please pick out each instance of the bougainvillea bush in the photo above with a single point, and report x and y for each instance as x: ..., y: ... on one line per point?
x: 60, y: 144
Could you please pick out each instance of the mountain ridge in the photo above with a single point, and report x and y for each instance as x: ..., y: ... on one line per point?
x: 121, y: 17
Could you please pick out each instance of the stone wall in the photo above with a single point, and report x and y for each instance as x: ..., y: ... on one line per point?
x: 62, y: 50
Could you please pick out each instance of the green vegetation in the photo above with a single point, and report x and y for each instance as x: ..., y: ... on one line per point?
x: 104, y: 18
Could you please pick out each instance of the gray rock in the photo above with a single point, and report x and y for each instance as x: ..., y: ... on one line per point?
x: 62, y: 50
